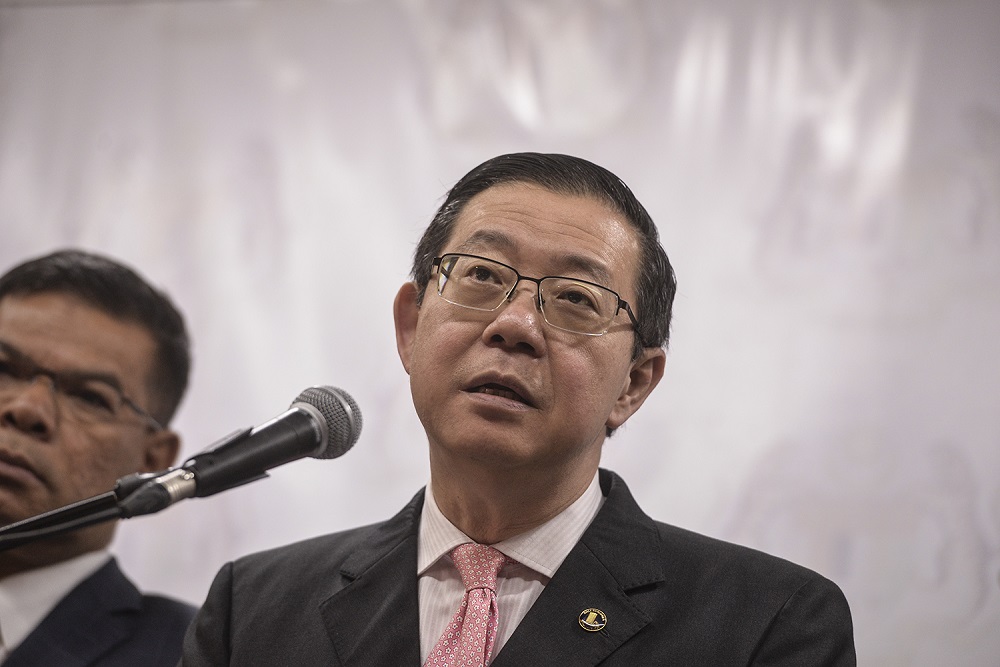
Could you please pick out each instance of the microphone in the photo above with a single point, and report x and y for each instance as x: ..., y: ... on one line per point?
x: 322, y: 423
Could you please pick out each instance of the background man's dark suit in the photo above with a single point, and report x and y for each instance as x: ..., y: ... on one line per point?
x: 106, y: 621
x: 670, y: 596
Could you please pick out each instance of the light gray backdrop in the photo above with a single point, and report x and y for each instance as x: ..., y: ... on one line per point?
x: 825, y: 175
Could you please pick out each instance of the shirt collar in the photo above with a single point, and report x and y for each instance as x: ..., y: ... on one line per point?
x: 542, y: 548
x: 28, y: 597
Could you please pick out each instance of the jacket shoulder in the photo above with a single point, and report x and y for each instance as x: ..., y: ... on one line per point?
x: 696, y: 589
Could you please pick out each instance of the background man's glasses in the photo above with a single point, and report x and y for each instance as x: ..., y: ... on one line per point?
x: 570, y: 304
x: 82, y: 397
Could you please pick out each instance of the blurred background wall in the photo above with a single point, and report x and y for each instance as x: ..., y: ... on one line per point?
x: 825, y: 175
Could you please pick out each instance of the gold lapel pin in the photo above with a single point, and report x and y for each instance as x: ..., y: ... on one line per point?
x: 593, y: 620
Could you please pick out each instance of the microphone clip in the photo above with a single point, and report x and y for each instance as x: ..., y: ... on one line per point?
x: 147, y: 493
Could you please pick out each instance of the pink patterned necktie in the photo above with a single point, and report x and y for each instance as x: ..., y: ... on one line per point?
x: 468, y: 639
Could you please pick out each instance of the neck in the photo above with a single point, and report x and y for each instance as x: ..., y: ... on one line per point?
x: 490, y: 505
x: 50, y: 551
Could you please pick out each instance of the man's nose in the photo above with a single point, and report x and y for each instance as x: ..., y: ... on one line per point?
x: 31, y: 408
x: 518, y: 323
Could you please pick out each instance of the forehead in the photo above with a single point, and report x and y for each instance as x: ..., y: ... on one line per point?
x: 545, y: 232
x: 63, y: 333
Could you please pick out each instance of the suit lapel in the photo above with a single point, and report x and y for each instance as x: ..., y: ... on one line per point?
x: 614, y: 557
x: 94, y: 617
x: 374, y: 619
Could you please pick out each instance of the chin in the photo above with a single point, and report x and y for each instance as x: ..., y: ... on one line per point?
x: 495, y: 452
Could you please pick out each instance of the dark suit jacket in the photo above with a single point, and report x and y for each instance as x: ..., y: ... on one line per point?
x: 672, y: 597
x: 106, y: 621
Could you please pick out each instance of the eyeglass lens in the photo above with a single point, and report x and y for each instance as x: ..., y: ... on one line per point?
x: 79, y: 396
x: 567, y: 303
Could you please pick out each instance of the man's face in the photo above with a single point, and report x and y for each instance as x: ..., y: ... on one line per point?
x: 504, y: 388
x: 48, y: 460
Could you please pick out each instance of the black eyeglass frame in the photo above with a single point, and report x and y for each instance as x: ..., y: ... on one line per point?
x: 30, y: 371
x: 622, y: 303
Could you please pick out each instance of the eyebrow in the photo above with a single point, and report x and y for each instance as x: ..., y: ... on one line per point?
x: 488, y: 239
x: 106, y: 378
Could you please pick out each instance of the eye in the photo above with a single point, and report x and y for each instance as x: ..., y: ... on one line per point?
x: 91, y: 397
x: 12, y: 371
x: 483, y: 274
x: 579, y: 298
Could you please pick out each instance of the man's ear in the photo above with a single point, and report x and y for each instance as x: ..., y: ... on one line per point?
x: 405, y: 313
x: 644, y: 375
x: 161, y: 449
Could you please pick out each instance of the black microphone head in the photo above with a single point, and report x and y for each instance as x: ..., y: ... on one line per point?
x: 342, y: 417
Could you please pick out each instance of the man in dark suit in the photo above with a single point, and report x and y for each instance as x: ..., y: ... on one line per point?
x: 93, y: 364
x: 534, y: 326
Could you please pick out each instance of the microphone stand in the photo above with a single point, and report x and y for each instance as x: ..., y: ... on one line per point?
x: 104, y: 507
x: 81, y: 514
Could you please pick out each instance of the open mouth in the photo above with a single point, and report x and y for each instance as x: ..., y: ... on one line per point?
x: 494, y: 389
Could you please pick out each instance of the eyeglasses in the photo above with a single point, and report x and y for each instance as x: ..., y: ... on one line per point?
x: 83, y: 397
x: 570, y: 304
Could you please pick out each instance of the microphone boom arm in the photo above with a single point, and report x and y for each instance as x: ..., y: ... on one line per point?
x: 123, y: 503
x: 322, y: 422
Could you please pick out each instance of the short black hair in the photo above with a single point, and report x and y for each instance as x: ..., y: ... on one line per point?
x: 565, y: 174
x: 120, y: 292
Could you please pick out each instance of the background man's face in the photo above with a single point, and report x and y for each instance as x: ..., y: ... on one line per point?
x: 47, y: 460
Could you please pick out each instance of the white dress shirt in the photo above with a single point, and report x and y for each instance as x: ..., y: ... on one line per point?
x: 27, y: 598
x: 539, y: 552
